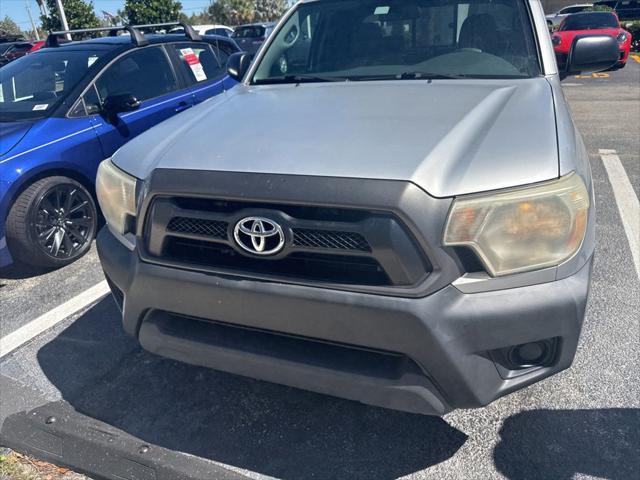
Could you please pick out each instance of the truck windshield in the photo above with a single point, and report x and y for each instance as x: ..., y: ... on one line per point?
x: 332, y: 40
x: 35, y: 84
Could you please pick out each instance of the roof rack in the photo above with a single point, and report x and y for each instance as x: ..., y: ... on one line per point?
x: 137, y: 37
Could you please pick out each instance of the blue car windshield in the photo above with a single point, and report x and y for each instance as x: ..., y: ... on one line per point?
x: 32, y: 86
x: 401, y: 39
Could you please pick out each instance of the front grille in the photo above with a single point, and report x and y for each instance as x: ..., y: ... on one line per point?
x: 343, y: 269
x: 198, y: 226
x: 330, y: 240
x: 302, y: 237
x: 322, y: 245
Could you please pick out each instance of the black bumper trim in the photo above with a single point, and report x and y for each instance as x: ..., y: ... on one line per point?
x: 384, y: 379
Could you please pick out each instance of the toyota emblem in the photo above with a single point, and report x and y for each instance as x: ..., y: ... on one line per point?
x: 259, y: 235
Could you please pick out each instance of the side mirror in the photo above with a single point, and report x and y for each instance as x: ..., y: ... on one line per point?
x: 592, y: 53
x: 115, y: 104
x: 238, y: 64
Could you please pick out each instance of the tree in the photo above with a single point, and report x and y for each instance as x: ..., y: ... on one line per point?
x: 79, y: 14
x: 237, y: 12
x: 269, y: 10
x: 600, y: 8
x: 201, y: 18
x: 140, y: 12
x: 9, y: 28
x: 232, y: 12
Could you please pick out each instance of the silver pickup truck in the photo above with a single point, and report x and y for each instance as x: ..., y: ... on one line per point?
x: 393, y: 206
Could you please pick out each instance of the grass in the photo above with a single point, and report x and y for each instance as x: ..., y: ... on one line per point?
x: 15, y: 466
x: 12, y: 468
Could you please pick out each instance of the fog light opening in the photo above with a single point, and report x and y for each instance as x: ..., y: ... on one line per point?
x: 529, y: 354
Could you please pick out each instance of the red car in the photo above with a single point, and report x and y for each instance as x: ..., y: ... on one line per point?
x: 37, y: 46
x: 590, y: 23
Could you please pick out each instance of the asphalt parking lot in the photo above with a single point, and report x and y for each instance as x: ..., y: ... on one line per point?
x: 105, y: 394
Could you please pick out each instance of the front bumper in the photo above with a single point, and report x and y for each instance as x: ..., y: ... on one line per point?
x: 424, y: 355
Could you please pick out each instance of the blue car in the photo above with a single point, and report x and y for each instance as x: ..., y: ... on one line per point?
x: 66, y: 107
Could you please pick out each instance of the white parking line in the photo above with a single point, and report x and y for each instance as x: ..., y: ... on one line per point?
x: 13, y: 340
x: 628, y: 204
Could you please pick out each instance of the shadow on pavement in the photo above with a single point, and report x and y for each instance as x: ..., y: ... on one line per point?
x: 273, y: 430
x: 558, y: 444
x: 20, y: 271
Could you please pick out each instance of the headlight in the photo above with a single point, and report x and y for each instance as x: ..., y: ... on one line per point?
x: 522, y: 229
x: 556, y: 40
x: 622, y: 37
x: 116, y: 193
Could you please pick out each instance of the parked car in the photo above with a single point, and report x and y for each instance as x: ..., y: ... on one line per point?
x: 624, y: 9
x: 591, y: 23
x: 221, y: 30
x: 6, y: 38
x: 251, y: 36
x: 405, y: 219
x: 554, y: 19
x: 64, y: 109
x: 13, y: 50
x: 4, y: 46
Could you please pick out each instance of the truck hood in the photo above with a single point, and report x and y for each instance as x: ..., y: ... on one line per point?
x: 11, y: 133
x: 450, y: 137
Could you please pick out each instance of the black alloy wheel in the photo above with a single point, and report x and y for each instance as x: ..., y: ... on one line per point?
x: 64, y: 221
x: 52, y: 223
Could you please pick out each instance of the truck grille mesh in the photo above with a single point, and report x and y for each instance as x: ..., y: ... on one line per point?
x: 199, y: 226
x: 303, y: 237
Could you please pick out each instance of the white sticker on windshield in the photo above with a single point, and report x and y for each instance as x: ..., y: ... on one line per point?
x: 194, y: 63
x: 40, y: 106
x: 91, y: 60
x: 381, y: 11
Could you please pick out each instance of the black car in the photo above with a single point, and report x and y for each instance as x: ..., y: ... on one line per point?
x: 249, y: 37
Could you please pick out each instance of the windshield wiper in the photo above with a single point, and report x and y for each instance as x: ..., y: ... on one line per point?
x: 300, y: 78
x: 410, y: 76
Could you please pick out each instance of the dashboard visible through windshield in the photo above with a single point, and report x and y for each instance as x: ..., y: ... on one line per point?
x: 401, y: 39
x: 34, y: 85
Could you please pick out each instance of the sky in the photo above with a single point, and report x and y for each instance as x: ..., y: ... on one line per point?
x: 17, y: 9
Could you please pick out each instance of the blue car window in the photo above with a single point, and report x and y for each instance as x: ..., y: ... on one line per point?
x: 88, y: 104
x: 92, y: 103
x: 144, y: 73
x: 199, y: 62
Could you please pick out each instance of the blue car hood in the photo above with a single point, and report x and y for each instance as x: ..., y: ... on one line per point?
x: 11, y: 133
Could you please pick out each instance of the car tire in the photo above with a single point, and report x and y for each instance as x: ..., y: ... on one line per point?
x: 52, y: 223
